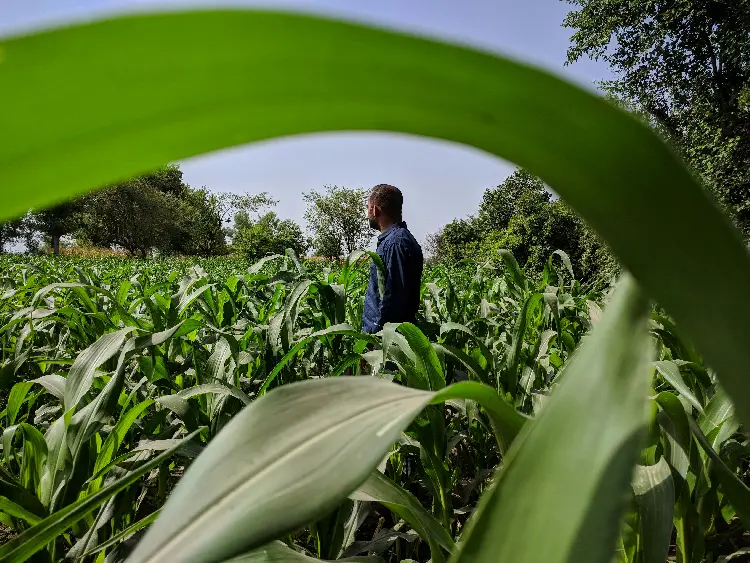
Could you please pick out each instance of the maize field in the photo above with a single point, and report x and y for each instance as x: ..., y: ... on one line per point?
x: 123, y: 378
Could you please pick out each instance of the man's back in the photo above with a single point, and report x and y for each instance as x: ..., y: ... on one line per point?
x: 404, y: 263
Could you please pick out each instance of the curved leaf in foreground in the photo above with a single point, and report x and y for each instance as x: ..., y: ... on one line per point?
x: 292, y: 455
x: 285, y: 459
x: 559, y: 500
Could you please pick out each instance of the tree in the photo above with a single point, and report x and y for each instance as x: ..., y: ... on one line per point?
x: 520, y: 215
x: 230, y: 204
x: 685, y: 65
x: 133, y: 215
x: 156, y: 210
x: 199, y: 230
x: 58, y: 221
x: 520, y: 193
x: 267, y: 235
x: 10, y: 232
x: 455, y: 241
x: 338, y: 220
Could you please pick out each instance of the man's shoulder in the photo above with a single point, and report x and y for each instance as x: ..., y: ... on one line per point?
x: 405, y: 240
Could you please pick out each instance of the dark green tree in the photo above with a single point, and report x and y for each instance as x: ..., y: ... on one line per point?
x: 133, y: 215
x: 256, y: 238
x: 520, y: 194
x: 685, y: 66
x: 521, y: 216
x: 58, y: 221
x: 198, y: 230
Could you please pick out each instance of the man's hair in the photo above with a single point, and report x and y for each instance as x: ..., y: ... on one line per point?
x: 389, y: 199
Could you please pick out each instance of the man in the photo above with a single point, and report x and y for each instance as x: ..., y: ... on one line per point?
x: 402, y: 257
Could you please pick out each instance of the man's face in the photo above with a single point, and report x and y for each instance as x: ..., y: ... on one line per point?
x: 373, y: 212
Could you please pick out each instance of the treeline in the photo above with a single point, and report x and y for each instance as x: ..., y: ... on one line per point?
x: 521, y: 216
x: 159, y: 214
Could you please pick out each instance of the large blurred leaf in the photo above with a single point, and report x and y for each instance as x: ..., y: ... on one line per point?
x: 256, y: 75
x: 559, y: 496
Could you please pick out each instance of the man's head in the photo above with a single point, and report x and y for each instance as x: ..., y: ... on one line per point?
x: 384, y: 206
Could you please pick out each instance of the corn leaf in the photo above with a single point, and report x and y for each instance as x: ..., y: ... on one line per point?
x: 567, y: 473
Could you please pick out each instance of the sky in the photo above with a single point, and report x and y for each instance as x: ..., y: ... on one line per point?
x: 440, y: 181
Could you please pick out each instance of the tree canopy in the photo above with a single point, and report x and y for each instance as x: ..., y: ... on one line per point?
x: 337, y: 220
x: 521, y: 216
x: 685, y: 66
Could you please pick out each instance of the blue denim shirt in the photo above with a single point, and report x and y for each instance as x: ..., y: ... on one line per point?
x: 403, y: 260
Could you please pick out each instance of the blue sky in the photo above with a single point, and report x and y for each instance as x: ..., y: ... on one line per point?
x: 440, y: 181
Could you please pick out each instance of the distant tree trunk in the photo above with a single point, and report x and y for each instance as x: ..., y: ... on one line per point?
x: 56, y: 245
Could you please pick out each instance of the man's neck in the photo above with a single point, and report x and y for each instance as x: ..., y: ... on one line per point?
x: 387, y: 225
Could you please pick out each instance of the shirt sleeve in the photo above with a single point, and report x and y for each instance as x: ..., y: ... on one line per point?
x: 394, y: 298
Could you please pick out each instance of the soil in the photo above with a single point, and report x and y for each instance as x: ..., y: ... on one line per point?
x: 6, y: 534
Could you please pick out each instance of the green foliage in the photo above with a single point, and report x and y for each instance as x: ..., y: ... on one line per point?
x: 133, y: 215
x: 337, y: 219
x: 10, y: 232
x: 199, y: 345
x: 521, y: 216
x: 199, y: 230
x: 685, y: 65
x: 267, y: 235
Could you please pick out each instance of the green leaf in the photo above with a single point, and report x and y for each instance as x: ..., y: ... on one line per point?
x: 379, y: 488
x: 506, y: 421
x: 736, y: 491
x: 216, y: 389
x: 91, y: 134
x: 344, y: 329
x: 671, y: 373
x: 468, y: 362
x: 81, y: 374
x: 115, y: 438
x: 450, y: 327
x: 515, y: 270
x: 427, y: 361
x: 292, y: 455
x: 566, y: 474
x: 718, y: 410
x: 674, y: 420
x: 123, y: 535
x: 20, y: 548
x: 380, y: 271
x: 16, y: 399
x: 519, y: 330
x: 181, y: 408
x: 277, y: 552
x: 17, y: 511
x: 53, y: 383
x: 655, y: 495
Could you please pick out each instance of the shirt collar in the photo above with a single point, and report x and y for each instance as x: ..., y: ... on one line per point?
x: 400, y: 225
